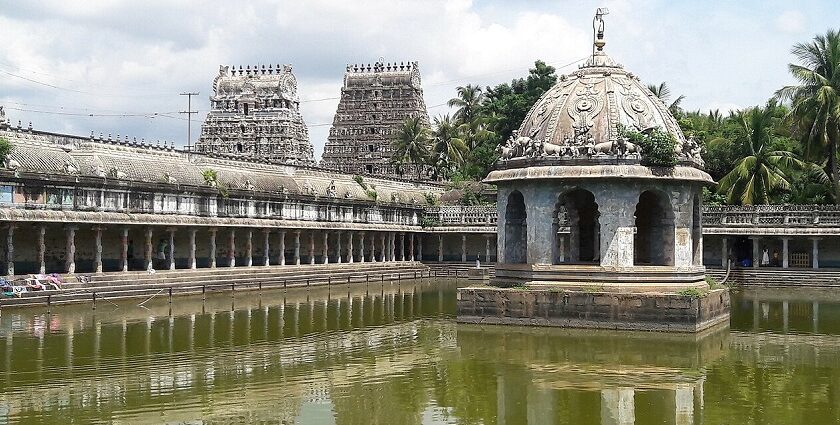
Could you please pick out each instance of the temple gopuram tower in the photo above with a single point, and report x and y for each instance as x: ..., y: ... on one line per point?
x: 599, y: 206
x: 254, y: 113
x: 375, y: 100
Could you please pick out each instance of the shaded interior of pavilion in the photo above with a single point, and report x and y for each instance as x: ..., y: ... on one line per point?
x: 577, y: 229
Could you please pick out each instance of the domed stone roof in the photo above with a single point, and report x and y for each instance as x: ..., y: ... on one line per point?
x: 582, y: 119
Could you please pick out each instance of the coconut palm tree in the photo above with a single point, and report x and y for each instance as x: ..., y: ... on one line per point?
x: 411, y: 145
x: 448, y: 150
x: 663, y: 92
x: 468, y: 102
x: 763, y: 171
x: 815, y: 100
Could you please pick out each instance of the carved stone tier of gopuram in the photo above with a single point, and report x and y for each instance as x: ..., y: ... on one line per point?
x: 597, y: 237
x: 255, y: 113
x: 375, y: 101
x: 87, y: 205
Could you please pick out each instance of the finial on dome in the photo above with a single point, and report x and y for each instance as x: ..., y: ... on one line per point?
x: 598, y: 29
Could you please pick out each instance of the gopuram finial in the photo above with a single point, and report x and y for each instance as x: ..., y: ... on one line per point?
x: 598, y: 29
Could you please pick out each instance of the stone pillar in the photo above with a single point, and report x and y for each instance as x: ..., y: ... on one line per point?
x: 232, y: 248
x: 440, y: 248
x: 420, y: 237
x: 266, y: 247
x: 618, y: 406
x: 411, y: 247
x: 326, y: 247
x: 382, y: 255
x: 249, y: 248
x: 212, y: 248
x: 123, y: 249
x: 192, y: 260
x: 311, y: 247
x: 171, y: 248
x: 616, y: 232
x: 487, y: 248
x: 373, y: 247
x: 756, y: 240
x: 362, y: 247
x: 464, y: 248
x: 724, y: 252
x: 785, y: 253
x: 684, y: 405
x: 10, y: 250
x: 42, y: 249
x: 97, y: 249
x: 297, y: 247
x: 815, y: 253
x: 282, y: 248
x: 402, y: 246
x: 350, y: 247
x: 70, y: 258
x: 394, y: 246
x: 149, y: 251
x: 338, y: 247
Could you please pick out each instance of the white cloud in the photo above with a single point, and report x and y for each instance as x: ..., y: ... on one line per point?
x: 791, y: 21
x: 128, y: 56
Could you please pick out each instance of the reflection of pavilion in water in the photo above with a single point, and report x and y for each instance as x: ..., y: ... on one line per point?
x: 150, y: 356
x: 788, y: 310
x: 568, y: 376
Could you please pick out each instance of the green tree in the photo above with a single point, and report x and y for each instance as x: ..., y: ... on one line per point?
x: 467, y: 103
x: 506, y: 105
x: 663, y: 92
x: 5, y: 149
x: 448, y: 149
x: 756, y: 177
x: 815, y: 100
x: 411, y: 145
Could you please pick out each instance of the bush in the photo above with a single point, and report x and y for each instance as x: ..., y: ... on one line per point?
x: 691, y: 293
x: 658, y: 147
x: 5, y: 149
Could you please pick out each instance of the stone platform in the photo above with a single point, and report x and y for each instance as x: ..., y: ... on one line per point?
x: 563, y: 307
x: 585, y: 277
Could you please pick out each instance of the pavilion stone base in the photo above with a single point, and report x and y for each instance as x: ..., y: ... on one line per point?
x: 591, y: 296
x: 602, y: 279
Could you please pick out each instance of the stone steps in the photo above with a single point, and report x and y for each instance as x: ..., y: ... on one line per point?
x: 182, y: 282
x: 779, y: 277
x: 457, y: 268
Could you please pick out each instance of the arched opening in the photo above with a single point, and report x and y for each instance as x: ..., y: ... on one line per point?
x: 577, y: 228
x: 654, y: 240
x: 696, y: 232
x: 516, y: 229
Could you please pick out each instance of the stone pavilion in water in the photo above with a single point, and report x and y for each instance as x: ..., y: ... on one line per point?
x: 596, y: 237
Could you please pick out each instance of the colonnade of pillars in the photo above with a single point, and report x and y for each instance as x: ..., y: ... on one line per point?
x: 337, y: 246
x: 758, y: 253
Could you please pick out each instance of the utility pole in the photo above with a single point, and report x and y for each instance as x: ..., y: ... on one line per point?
x: 189, y: 113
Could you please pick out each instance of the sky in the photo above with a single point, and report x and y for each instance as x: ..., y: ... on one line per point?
x: 118, y: 66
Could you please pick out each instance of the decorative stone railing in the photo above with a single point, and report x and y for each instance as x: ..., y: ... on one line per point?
x: 448, y: 216
x: 772, y: 216
x: 713, y: 216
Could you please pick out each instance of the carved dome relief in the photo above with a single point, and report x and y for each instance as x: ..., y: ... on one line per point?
x: 581, y: 116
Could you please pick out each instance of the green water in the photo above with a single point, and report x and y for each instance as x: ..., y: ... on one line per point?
x: 393, y: 354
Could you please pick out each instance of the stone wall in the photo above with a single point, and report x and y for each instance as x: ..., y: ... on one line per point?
x: 631, y: 311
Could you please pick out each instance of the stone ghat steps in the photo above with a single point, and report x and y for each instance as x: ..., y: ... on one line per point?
x: 253, y: 272
x: 458, y: 268
x: 289, y: 277
x: 778, y: 277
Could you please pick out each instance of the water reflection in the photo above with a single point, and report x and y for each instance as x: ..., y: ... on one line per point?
x: 391, y: 354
